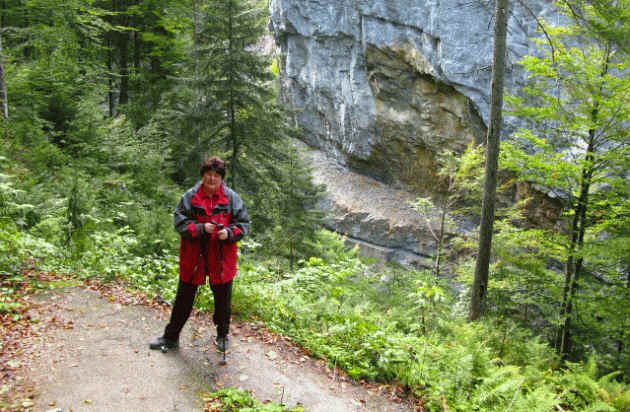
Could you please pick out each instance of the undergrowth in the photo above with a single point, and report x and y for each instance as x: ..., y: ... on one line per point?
x: 402, y: 326
x: 234, y: 400
x: 377, y: 323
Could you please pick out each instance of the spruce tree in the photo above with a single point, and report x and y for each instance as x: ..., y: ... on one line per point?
x: 300, y: 213
x: 229, y: 107
x: 233, y: 103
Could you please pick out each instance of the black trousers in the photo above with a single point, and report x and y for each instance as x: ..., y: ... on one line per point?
x: 184, y: 303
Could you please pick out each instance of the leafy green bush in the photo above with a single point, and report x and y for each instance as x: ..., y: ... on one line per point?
x: 392, y: 325
x: 234, y: 400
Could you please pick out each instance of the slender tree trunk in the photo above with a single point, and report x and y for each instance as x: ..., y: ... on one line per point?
x: 137, y: 51
x: 578, y: 229
x: 289, y: 212
x: 3, y: 85
x: 195, y: 83
x: 480, y: 283
x: 574, y: 259
x: 123, y: 49
x: 620, y: 342
x: 568, y: 277
x: 440, y: 241
x: 111, y: 37
x: 575, y: 248
x: 195, y: 41
x: 123, y: 97
x: 3, y: 80
x: 231, y: 104
x: 110, y: 82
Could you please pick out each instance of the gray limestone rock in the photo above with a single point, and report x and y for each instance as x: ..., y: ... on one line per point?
x: 383, y: 86
x: 394, y: 76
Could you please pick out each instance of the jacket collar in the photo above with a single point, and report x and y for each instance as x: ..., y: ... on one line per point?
x: 219, y: 195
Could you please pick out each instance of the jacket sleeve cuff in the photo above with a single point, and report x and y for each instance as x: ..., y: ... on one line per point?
x: 195, y: 229
x: 234, y: 233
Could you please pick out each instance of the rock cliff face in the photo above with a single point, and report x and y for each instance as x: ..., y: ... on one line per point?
x: 383, y: 86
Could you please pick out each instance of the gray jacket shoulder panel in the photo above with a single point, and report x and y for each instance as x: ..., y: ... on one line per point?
x: 183, y: 210
x: 240, y: 218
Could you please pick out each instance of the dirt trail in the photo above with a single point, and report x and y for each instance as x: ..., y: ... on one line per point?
x: 97, y: 359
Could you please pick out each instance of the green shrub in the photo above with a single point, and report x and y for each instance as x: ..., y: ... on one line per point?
x: 369, y: 321
x: 231, y: 399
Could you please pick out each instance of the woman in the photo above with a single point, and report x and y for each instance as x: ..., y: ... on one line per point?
x: 210, y: 218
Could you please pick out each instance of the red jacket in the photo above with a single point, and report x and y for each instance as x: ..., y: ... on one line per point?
x: 202, y: 254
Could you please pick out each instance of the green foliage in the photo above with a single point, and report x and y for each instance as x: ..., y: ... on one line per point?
x: 574, y: 148
x: 298, y: 216
x: 233, y: 400
x: 368, y: 320
x: 229, y: 107
x: 16, y: 247
x: 607, y: 20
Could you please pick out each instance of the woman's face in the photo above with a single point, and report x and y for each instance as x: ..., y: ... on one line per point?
x: 211, y: 181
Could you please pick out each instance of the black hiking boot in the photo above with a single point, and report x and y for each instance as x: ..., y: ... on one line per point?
x: 222, y: 343
x: 163, y: 343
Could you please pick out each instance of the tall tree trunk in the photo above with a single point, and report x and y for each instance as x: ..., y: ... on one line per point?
x: 123, y: 97
x: 575, y: 260
x: 578, y: 229
x: 231, y: 108
x: 620, y: 342
x: 137, y: 51
x: 110, y: 81
x: 3, y: 85
x: 440, y: 241
x: 3, y: 80
x: 480, y: 283
x: 123, y: 50
x: 195, y: 83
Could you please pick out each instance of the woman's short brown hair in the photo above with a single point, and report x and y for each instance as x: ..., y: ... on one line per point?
x: 213, y: 163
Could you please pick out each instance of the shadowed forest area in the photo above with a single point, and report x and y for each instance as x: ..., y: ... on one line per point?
x: 109, y: 107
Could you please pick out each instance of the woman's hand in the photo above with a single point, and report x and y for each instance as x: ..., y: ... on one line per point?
x: 222, y: 234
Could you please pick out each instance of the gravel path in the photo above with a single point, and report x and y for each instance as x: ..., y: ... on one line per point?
x: 95, y: 357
